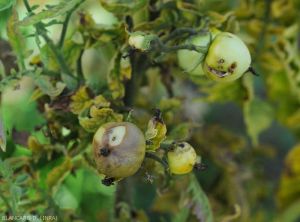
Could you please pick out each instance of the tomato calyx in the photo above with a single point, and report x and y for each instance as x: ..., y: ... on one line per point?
x: 108, y: 181
x: 200, y: 166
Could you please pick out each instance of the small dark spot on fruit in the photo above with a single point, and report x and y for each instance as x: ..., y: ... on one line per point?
x: 233, y: 65
x: 181, y: 145
x: 221, y: 61
x: 114, y: 138
x: 108, y: 181
x: 104, y: 152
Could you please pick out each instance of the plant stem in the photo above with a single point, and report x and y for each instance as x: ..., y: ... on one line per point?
x: 262, y: 34
x: 5, y: 200
x: 138, y: 64
x: 57, y: 53
x: 185, y: 46
x: 178, y: 32
x: 79, y: 66
x: 157, y: 159
x: 65, y: 25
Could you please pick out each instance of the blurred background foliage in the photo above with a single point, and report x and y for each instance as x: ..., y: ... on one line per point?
x: 63, y: 74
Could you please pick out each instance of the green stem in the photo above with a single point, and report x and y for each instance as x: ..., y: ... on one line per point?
x: 6, y: 202
x: 65, y: 25
x: 139, y: 64
x: 179, y: 32
x: 57, y: 53
x: 157, y: 159
x: 185, y: 46
x: 261, y: 38
x: 79, y: 66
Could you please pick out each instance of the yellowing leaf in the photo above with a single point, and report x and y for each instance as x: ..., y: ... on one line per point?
x: 292, y: 161
x: 169, y: 104
x: 100, y: 102
x: 181, y: 132
x: 123, y: 6
x: 289, y: 189
x: 56, y: 176
x: 126, y: 68
x: 115, y: 78
x: 35, y: 146
x: 155, y: 134
x: 80, y: 101
x: 224, y: 92
x: 99, y: 117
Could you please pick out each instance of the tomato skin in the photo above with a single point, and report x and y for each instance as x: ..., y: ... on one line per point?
x: 119, y: 149
x: 140, y: 40
x: 189, y: 60
x: 182, y: 158
x: 228, y: 58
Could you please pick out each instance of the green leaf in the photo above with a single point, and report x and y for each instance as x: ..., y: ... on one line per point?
x: 202, y: 207
x: 182, y: 215
x: 65, y: 199
x: 57, y: 10
x: 181, y: 132
x: 291, y: 214
x: 45, y: 85
x: 5, y: 4
x: 258, y: 117
x: 2, y: 136
x: 16, y: 39
x: 71, y: 52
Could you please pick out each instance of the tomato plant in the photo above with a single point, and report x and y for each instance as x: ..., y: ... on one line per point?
x: 149, y: 110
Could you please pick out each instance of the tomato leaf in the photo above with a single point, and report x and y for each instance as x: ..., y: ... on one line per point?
x: 46, y: 87
x: 202, y: 208
x: 5, y: 4
x: 258, y: 117
x: 16, y: 39
x: 57, y: 175
x: 2, y: 136
x: 60, y: 9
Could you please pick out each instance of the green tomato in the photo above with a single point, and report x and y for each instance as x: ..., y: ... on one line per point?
x: 182, y: 158
x: 228, y: 58
x: 119, y: 149
x: 140, y: 40
x: 190, y: 60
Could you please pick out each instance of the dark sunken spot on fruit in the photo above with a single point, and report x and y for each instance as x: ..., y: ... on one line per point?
x: 104, y: 151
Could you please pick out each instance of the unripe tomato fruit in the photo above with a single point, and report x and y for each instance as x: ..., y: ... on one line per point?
x: 228, y: 58
x: 190, y: 60
x: 182, y: 158
x: 119, y: 149
x: 140, y: 40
